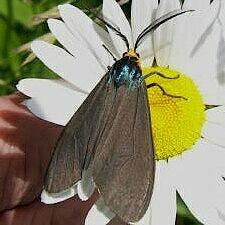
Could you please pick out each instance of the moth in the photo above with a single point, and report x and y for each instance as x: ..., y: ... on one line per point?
x: 110, y: 135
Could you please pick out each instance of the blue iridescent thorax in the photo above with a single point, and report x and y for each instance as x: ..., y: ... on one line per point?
x: 126, y: 71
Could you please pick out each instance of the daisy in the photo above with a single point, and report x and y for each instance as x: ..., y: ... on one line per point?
x: 189, y: 136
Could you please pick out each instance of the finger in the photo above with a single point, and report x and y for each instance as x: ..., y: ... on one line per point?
x: 26, y: 143
x: 70, y: 212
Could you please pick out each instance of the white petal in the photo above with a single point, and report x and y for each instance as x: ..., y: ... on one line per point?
x: 214, y: 133
x: 220, y: 47
x: 209, y: 87
x: 214, y: 95
x: 142, y: 14
x: 222, y: 14
x: 86, y: 186
x: 64, y: 35
x: 107, y: 40
x: 196, y: 4
x: 209, y: 152
x: 65, y: 65
x: 199, y: 185
x: 202, y: 153
x: 163, y: 202
x: 34, y: 87
x: 74, y: 46
x: 147, y: 57
x: 203, y: 65
x: 201, y: 55
x: 164, y: 35
x: 197, y: 54
x: 216, y: 115
x: 220, y: 63
x: 52, y: 198
x: 51, y: 100
x: 86, y: 31
x: 115, y: 16
x: 99, y: 214
x: 49, y: 111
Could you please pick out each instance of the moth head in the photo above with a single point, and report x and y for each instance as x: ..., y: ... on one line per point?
x: 132, y: 54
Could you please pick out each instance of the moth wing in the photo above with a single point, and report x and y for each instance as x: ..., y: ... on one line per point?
x: 75, y: 146
x: 124, y: 165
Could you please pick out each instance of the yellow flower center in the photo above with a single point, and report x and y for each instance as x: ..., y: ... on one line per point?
x: 176, y: 122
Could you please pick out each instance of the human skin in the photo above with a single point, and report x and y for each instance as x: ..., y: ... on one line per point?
x: 26, y: 144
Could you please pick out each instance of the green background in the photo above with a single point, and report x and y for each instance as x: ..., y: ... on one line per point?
x: 17, y: 27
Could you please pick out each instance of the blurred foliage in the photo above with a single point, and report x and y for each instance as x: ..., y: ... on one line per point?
x: 21, y: 21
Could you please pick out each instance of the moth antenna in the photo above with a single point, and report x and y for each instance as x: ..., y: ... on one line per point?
x: 115, y: 30
x: 158, y: 22
x: 107, y: 49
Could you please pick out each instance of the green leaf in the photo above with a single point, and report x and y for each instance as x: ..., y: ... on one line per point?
x: 88, y: 3
x: 21, y: 12
x: 184, y: 216
x: 2, y: 36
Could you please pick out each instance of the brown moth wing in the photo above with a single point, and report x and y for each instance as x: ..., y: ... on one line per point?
x: 124, y: 165
x: 75, y: 146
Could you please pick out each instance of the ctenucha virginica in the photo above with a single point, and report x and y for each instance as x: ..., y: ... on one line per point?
x: 110, y: 135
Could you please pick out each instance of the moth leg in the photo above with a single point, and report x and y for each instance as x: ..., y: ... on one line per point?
x: 164, y: 92
x: 161, y: 75
x: 107, y: 49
